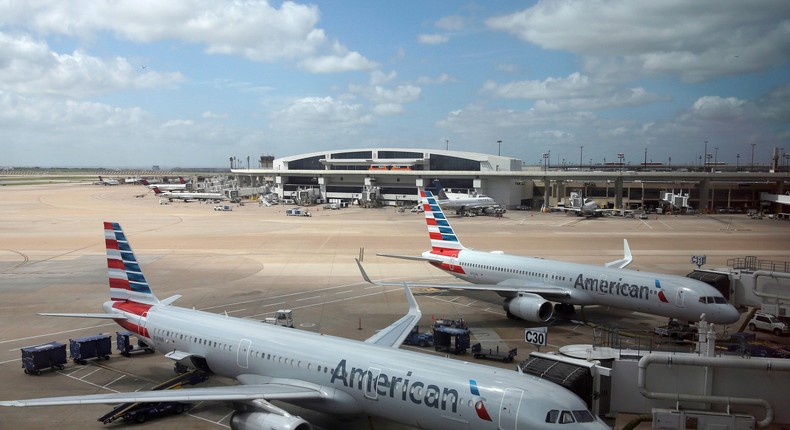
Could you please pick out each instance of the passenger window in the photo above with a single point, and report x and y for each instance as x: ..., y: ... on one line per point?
x: 551, y: 417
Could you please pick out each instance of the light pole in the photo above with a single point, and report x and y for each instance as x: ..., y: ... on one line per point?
x: 581, y: 155
x: 546, y: 156
x: 737, y: 161
x: 752, y: 168
x: 644, y: 166
x: 499, y: 152
x: 447, y: 145
x: 621, y: 156
x: 715, y: 157
x: 705, y: 154
x: 707, y: 161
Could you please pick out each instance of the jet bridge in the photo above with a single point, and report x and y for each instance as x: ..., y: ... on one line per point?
x: 752, y: 282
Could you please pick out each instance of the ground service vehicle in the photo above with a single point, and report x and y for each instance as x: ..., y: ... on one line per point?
x: 768, y: 322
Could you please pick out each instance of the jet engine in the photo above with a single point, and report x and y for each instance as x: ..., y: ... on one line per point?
x: 529, y: 307
x: 267, y: 421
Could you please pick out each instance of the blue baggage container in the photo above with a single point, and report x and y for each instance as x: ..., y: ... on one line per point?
x: 83, y: 348
x: 47, y: 355
x: 124, y: 344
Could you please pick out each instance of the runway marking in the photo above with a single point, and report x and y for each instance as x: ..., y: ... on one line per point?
x: 114, y: 381
x: 646, y: 224
x: 53, y: 333
x: 345, y: 292
x: 235, y: 310
x: 307, y: 298
x: 89, y: 374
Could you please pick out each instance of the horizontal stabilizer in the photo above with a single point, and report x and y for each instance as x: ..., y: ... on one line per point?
x: 170, y: 299
x: 86, y: 315
x: 227, y: 393
x: 409, y: 257
x: 625, y: 261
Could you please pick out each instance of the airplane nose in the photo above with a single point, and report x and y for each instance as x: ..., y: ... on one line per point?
x: 726, y: 314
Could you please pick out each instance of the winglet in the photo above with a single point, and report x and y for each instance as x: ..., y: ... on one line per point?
x: 395, y: 333
x: 625, y: 261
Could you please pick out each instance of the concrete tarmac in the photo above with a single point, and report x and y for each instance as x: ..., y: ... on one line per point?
x: 254, y: 260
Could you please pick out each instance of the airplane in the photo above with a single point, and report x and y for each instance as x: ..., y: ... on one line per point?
x: 103, y: 181
x: 465, y: 202
x: 316, y: 371
x: 186, y: 196
x: 182, y: 185
x: 529, y: 285
x: 583, y: 207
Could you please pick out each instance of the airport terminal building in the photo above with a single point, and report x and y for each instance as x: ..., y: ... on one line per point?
x: 390, y: 176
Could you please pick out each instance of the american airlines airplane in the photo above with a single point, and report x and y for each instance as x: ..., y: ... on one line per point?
x: 320, y: 372
x: 529, y: 284
x: 186, y: 196
x: 466, y: 203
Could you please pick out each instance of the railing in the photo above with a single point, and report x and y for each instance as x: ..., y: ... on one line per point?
x: 753, y: 264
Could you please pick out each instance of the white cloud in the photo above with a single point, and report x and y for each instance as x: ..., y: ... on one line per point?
x: 450, y: 23
x: 433, y: 39
x: 386, y: 109
x: 443, y: 78
x: 316, y: 113
x: 30, y: 67
x: 378, y: 77
x: 696, y: 40
x: 253, y: 29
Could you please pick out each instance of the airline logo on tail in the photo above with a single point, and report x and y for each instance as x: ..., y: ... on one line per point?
x: 443, y: 238
x: 126, y: 278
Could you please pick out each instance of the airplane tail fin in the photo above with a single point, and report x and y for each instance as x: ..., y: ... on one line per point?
x: 438, y: 190
x: 144, y: 182
x: 181, y: 180
x: 157, y: 191
x: 127, y: 282
x: 443, y: 238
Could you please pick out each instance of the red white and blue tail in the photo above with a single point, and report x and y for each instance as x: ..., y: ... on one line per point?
x: 127, y: 282
x: 443, y: 238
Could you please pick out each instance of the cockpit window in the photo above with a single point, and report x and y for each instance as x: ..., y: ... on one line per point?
x: 566, y: 417
x: 583, y: 416
x: 551, y: 417
x: 720, y: 300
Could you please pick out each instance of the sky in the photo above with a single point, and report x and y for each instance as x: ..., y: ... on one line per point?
x: 191, y: 83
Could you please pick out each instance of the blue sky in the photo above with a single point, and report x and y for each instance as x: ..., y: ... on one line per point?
x: 191, y: 83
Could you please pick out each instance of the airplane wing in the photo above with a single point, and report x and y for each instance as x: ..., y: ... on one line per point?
x: 86, y: 315
x: 277, y: 391
x: 625, y: 261
x: 394, y: 334
x: 510, y: 285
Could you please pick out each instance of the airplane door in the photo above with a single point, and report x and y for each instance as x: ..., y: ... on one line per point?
x: 141, y: 324
x: 679, y: 298
x: 508, y: 413
x: 243, y: 353
x: 370, y: 383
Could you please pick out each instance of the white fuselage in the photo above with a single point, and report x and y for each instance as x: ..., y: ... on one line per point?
x: 658, y: 294
x: 360, y: 378
x: 191, y: 196
x: 168, y: 187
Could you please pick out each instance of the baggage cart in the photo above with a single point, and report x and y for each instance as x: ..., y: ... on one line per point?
x: 83, y: 348
x: 123, y: 341
x: 44, y: 356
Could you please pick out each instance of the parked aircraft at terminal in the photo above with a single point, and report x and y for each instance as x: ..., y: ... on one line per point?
x: 174, y: 195
x: 461, y: 202
x: 530, y: 284
x: 320, y: 372
x: 182, y: 185
x: 583, y: 206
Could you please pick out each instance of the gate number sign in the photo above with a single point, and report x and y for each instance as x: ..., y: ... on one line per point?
x: 536, y: 336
